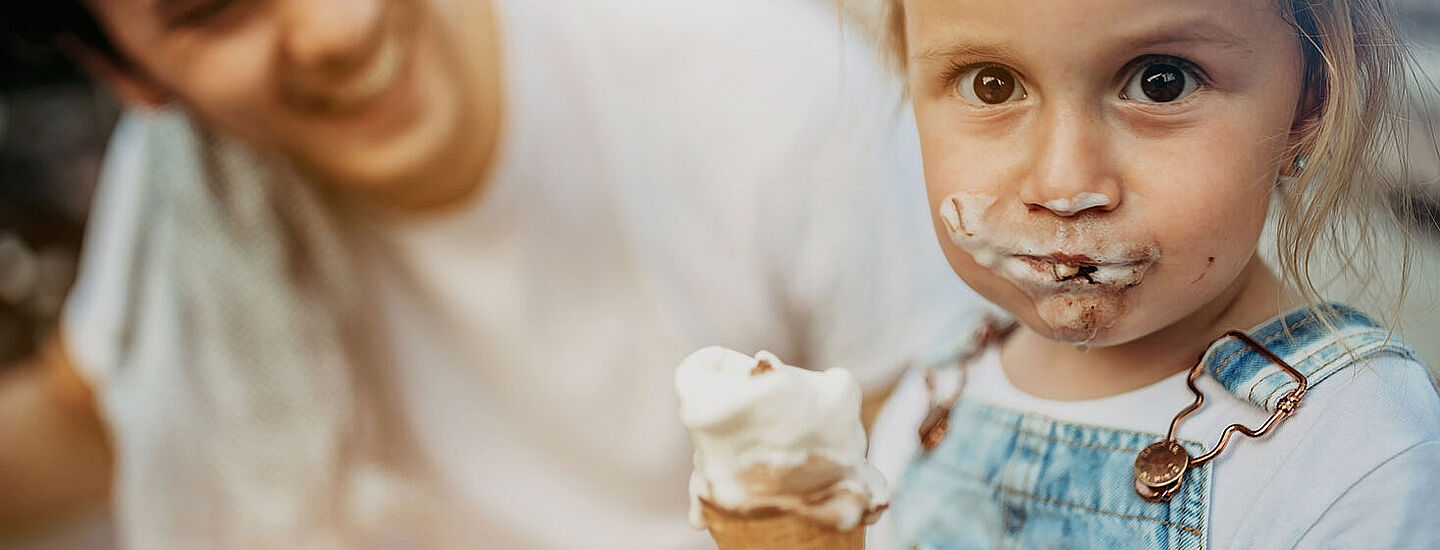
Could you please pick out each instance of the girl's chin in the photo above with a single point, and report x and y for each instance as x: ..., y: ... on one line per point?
x: 1080, y: 317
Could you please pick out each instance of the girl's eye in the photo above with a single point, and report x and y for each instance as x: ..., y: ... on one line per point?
x: 988, y: 85
x: 1160, y: 81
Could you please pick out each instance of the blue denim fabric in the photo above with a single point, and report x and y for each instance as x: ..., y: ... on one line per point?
x: 1304, y: 340
x: 1004, y: 479
x: 1007, y: 479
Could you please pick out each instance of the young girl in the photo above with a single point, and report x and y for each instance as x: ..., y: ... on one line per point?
x: 1102, y: 171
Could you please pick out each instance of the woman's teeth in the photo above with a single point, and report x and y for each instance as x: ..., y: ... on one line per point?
x: 379, y: 77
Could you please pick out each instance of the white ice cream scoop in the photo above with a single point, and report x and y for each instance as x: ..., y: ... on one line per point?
x: 770, y: 437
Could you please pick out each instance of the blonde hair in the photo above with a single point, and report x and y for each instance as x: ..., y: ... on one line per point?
x: 1355, y: 71
x: 1337, y: 196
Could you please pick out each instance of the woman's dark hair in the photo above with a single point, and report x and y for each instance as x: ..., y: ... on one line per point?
x: 46, y: 21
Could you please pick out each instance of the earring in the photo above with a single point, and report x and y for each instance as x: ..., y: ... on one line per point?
x: 1299, y: 163
x: 1297, y: 166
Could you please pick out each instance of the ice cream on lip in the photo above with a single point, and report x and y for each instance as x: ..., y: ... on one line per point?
x: 1048, y: 270
x: 1077, y: 272
x: 772, y: 438
x: 1065, y: 261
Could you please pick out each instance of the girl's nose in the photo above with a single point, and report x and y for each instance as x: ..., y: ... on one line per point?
x: 1072, y: 168
x: 332, y: 37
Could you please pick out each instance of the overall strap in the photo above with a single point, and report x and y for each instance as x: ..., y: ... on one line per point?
x: 1304, y: 339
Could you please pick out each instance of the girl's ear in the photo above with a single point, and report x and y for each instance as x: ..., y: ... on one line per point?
x: 130, y: 85
x: 1307, y: 113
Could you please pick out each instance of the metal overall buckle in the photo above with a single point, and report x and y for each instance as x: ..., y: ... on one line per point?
x: 937, y: 422
x: 1160, y: 467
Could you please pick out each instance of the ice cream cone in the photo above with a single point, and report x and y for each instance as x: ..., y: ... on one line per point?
x: 776, y: 531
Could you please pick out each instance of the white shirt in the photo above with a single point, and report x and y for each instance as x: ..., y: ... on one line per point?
x: 1358, y: 466
x: 671, y: 175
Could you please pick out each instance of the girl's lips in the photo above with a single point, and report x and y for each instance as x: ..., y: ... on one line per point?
x: 1025, y: 254
x: 1081, y: 270
x: 1060, y: 257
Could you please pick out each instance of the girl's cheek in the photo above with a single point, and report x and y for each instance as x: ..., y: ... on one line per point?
x: 954, y: 167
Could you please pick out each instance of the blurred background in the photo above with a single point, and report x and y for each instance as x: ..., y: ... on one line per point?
x: 54, y: 126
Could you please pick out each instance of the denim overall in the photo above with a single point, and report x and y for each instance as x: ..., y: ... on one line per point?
x: 1006, y: 479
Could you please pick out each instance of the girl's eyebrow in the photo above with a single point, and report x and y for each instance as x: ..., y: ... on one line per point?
x: 1198, y: 32
x: 961, y: 49
x: 1192, y: 32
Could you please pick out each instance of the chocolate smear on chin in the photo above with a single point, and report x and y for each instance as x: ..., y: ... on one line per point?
x: 1079, y: 317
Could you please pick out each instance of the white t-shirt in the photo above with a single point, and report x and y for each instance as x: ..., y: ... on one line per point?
x: 1357, y: 467
x: 670, y: 175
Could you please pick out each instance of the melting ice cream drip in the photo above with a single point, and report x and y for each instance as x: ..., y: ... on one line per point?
x: 769, y: 436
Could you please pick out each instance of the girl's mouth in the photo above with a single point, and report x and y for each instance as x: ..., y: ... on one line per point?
x: 1066, y: 261
x: 1067, y: 272
x: 1083, y: 270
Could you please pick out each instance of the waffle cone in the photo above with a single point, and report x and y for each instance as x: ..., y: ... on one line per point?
x: 776, y: 531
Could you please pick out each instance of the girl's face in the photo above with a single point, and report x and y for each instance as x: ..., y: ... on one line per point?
x: 1102, y: 169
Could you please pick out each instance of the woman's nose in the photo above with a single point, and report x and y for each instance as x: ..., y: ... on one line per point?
x: 332, y: 37
x: 1072, y: 168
